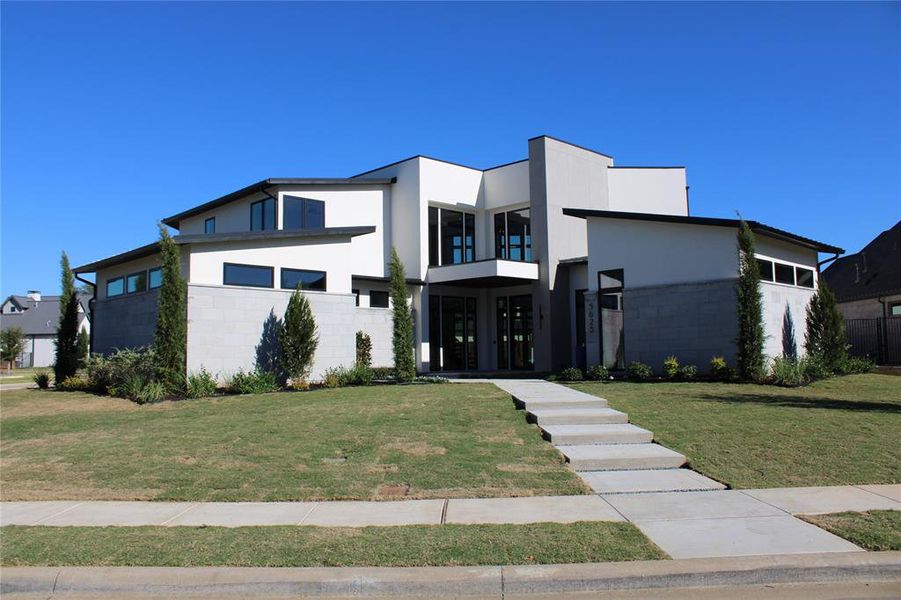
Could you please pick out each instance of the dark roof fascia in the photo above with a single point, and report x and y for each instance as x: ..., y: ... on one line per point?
x: 415, y: 156
x: 515, y: 162
x: 409, y: 280
x: 550, y: 137
x: 713, y: 221
x: 261, y: 186
x: 211, y: 238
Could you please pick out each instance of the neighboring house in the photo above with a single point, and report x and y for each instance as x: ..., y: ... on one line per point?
x: 37, y: 316
x: 867, y: 284
x: 500, y: 278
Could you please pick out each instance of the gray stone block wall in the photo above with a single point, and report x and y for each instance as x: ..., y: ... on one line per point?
x: 124, y: 322
x: 694, y: 322
x: 225, y: 326
x: 378, y: 323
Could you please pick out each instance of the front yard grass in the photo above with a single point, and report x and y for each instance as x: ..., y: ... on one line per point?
x: 450, y: 440
x: 874, y: 530
x: 837, y: 431
x: 410, y: 546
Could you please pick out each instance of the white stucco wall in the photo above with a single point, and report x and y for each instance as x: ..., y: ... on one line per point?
x: 507, y: 185
x: 649, y: 190
x: 231, y: 217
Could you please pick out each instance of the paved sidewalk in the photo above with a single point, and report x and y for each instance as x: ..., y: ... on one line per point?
x: 876, y: 575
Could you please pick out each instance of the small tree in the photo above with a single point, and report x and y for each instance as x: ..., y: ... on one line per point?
x: 12, y: 343
x: 749, y: 309
x: 364, y: 349
x: 825, y: 337
x: 171, y: 340
x: 83, y: 343
x: 402, y: 343
x: 67, y: 360
x: 298, y: 338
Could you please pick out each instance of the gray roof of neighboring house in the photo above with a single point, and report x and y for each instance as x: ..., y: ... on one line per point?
x: 755, y: 226
x: 211, y: 238
x: 40, y: 318
x: 873, y: 272
x: 261, y: 186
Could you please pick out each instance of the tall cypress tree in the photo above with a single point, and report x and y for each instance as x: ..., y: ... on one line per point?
x: 298, y: 339
x: 402, y: 343
x: 825, y: 337
x: 67, y: 359
x: 750, y: 309
x: 170, y: 342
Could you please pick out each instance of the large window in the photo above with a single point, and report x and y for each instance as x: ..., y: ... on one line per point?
x: 209, y: 226
x: 307, y: 280
x: 262, y: 215
x: 513, y: 235
x: 115, y: 287
x: 303, y: 213
x: 136, y: 282
x: 451, y: 237
x: 155, y: 278
x: 249, y: 275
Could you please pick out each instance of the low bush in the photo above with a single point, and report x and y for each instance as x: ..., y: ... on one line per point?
x: 382, y: 373
x: 108, y: 374
x: 430, y: 379
x: 639, y: 371
x: 788, y: 371
x: 597, y: 373
x: 815, y: 368
x: 570, y: 374
x: 721, y: 370
x: 332, y: 377
x: 364, y: 349
x: 42, y: 379
x: 671, y: 367
x: 200, y: 384
x: 855, y: 364
x: 688, y: 372
x: 75, y: 383
x: 153, y: 391
x: 342, y: 376
x: 253, y: 382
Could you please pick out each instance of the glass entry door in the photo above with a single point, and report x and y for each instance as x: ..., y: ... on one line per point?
x: 452, y: 333
x: 515, y: 348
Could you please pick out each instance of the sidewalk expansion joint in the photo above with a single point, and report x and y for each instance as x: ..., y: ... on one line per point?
x: 170, y: 519
x: 444, y: 511
x: 62, y: 512
x: 309, y: 512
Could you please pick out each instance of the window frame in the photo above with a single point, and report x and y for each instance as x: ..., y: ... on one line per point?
x: 263, y: 223
x: 284, y: 270
x: 772, y: 265
x: 467, y: 246
x: 786, y: 268
x: 891, y: 310
x: 150, y: 279
x: 524, y: 247
x: 206, y: 225
x: 304, y: 216
x: 226, y: 265
x: 113, y: 280
x: 128, y: 281
x: 813, y: 279
x: 380, y: 292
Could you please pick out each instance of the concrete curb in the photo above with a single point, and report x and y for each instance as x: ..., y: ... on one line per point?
x: 486, y: 582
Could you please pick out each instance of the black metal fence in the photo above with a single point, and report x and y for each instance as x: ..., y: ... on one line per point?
x: 878, y: 339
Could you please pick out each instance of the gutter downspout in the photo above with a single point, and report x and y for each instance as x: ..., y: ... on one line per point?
x: 91, y: 311
x: 828, y: 260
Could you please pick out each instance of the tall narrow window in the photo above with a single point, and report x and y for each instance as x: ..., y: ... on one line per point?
x: 469, y: 233
x: 209, y: 226
x: 513, y: 235
x: 434, y: 256
x: 451, y: 237
x: 262, y: 215
x: 500, y: 236
x: 303, y: 213
x: 155, y: 277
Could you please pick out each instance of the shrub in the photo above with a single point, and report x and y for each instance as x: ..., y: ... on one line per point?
x: 597, y: 373
x: 42, y: 378
x: 67, y: 359
x: 431, y: 379
x: 570, y: 374
x: 108, y: 374
x: 200, y: 384
x: 170, y: 341
x: 12, y: 343
x: 671, y: 367
x: 688, y: 372
x: 855, y: 364
x: 402, y: 337
x: 639, y: 371
x: 815, y: 368
x: 298, y: 337
x: 789, y: 371
x: 153, y: 391
x: 825, y: 337
x: 720, y: 369
x: 333, y: 377
x: 749, y: 309
x: 75, y: 383
x: 253, y: 382
x: 358, y: 375
x: 364, y: 349
x: 383, y: 373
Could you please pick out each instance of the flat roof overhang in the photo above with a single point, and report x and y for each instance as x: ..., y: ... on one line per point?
x: 485, y: 273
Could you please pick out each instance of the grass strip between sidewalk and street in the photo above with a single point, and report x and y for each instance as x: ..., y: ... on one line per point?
x: 873, y: 530
x: 408, y: 546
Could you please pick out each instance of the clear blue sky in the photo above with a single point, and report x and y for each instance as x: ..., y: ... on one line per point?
x: 116, y: 115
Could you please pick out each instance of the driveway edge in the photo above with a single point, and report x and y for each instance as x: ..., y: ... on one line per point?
x: 488, y: 582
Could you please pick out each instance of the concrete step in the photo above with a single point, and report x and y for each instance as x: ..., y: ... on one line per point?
x: 649, y: 480
x: 607, y: 457
x: 564, y: 402
x: 611, y: 433
x: 577, y: 416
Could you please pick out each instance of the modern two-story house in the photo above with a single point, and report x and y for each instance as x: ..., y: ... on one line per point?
x: 500, y: 263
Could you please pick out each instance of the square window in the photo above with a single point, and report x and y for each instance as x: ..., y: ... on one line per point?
x: 785, y: 274
x: 136, y: 282
x: 115, y: 287
x: 303, y: 213
x: 378, y: 299
x: 804, y: 277
x: 895, y: 309
x: 766, y: 269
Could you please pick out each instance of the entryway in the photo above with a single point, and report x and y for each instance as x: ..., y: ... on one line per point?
x: 515, y: 348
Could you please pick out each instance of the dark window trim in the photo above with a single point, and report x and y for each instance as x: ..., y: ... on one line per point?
x: 263, y: 214
x: 149, y: 271
x: 281, y: 278
x: 135, y: 274
x: 475, y: 229
x: 387, y: 298
x: 356, y: 294
x: 114, y: 279
x: 271, y: 275
x: 891, y: 308
x: 506, y: 248
x: 303, y: 210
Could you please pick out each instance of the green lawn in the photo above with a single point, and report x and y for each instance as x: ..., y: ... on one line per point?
x: 425, y: 545
x: 843, y: 430
x: 352, y: 443
x: 22, y: 375
x: 874, y: 530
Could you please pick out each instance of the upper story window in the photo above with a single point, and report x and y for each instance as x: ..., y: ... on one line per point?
x: 303, y: 213
x: 777, y: 272
x: 262, y: 215
x: 248, y: 275
x: 155, y: 278
x: 136, y: 282
x: 451, y: 237
x: 209, y: 226
x: 115, y: 287
x: 378, y: 299
x: 306, y: 280
x: 513, y: 235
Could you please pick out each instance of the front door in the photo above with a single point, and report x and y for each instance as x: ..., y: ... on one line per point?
x: 452, y: 333
x: 514, y: 332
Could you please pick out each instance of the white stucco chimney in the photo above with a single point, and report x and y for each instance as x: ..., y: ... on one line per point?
x: 35, y: 295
